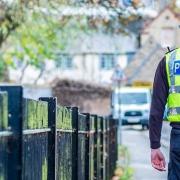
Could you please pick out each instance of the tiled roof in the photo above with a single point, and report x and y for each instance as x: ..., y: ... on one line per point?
x: 144, y: 64
x: 148, y: 22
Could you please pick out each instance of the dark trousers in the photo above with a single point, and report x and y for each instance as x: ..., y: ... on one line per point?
x: 174, y: 162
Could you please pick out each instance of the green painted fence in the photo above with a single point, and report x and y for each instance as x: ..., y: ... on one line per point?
x: 40, y: 140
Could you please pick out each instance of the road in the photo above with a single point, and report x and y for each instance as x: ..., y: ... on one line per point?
x: 138, y: 144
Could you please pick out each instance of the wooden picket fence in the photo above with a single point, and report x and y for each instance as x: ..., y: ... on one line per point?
x: 40, y: 140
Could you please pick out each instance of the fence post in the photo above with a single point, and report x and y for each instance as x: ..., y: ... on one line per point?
x: 98, y: 147
x: 15, y: 123
x: 103, y: 151
x: 116, y: 141
x: 107, y: 150
x: 88, y: 154
x: 95, y: 145
x: 52, y: 147
x: 97, y: 158
x: 75, y: 143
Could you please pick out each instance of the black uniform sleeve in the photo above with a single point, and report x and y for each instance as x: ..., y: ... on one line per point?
x: 159, y: 99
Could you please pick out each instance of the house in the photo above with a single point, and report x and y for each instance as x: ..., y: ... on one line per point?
x: 164, y: 29
x: 90, y: 58
x: 93, y: 58
x: 156, y: 36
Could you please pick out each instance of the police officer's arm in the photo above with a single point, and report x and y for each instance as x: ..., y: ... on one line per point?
x: 159, y: 99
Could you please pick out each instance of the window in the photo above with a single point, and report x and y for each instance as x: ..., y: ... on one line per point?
x: 133, y: 98
x: 167, y: 17
x: 130, y: 56
x: 64, y: 62
x: 107, y: 61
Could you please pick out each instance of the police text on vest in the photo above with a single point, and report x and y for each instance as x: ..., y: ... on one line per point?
x: 176, y: 68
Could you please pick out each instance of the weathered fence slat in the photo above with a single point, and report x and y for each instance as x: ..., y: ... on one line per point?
x: 89, y: 147
x: 15, y: 116
x: 107, y: 149
x: 97, y: 150
x: 52, y: 141
x: 64, y: 143
x: 3, y: 110
x: 35, y: 140
x: 82, y: 128
x: 75, y: 143
x: 4, y: 134
x: 102, y: 148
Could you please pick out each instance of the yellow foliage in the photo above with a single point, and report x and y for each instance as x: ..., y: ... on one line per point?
x: 119, y: 172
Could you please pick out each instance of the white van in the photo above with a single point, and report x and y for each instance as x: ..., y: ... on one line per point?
x: 132, y: 104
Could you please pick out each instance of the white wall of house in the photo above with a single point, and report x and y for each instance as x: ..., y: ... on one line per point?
x: 85, y: 67
x: 88, y: 68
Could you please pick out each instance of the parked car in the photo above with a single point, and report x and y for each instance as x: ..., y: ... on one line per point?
x: 131, y: 105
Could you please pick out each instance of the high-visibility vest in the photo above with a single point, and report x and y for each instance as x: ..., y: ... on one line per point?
x: 173, y: 76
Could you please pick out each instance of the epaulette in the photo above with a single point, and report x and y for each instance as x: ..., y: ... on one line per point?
x: 170, y: 50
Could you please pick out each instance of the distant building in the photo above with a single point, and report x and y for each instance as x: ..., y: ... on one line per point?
x: 156, y: 35
x: 89, y: 58
x: 164, y: 29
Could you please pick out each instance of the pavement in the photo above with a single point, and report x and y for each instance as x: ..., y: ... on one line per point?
x: 137, y: 142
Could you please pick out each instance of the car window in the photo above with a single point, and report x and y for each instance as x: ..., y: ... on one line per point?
x: 133, y: 98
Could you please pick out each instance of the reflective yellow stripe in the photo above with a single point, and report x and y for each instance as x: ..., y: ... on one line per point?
x: 167, y: 67
x: 175, y: 118
x: 173, y: 100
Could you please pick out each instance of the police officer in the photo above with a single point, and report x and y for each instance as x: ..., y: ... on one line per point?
x: 166, y: 92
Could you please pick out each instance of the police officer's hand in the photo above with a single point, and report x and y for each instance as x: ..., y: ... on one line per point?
x: 157, y: 160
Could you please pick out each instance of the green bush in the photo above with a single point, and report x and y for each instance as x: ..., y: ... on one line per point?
x: 124, y: 171
x: 127, y: 174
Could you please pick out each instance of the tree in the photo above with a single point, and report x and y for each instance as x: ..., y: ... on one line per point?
x: 10, y: 18
x: 46, y: 37
x: 38, y: 30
